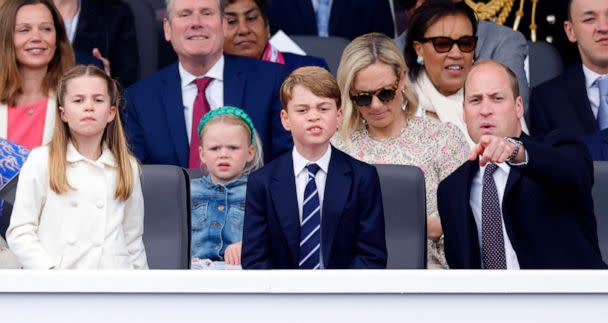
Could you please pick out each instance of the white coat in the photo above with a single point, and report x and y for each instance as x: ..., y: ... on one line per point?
x: 85, y: 228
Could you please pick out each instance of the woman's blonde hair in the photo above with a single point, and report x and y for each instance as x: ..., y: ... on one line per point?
x: 10, y: 77
x: 113, y: 136
x: 362, y: 52
x: 258, y: 158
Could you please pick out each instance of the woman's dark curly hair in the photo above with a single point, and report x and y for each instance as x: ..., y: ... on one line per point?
x: 425, y: 16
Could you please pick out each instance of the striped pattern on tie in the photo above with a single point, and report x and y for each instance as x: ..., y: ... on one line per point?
x: 310, y: 228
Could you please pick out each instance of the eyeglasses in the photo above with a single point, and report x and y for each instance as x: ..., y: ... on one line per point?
x: 385, y: 94
x: 466, y: 44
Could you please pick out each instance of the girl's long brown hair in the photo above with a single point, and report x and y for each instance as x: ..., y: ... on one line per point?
x: 113, y: 136
x: 10, y: 78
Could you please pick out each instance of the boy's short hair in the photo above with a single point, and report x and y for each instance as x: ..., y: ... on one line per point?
x: 316, y: 79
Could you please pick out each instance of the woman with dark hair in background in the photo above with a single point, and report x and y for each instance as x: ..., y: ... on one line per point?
x: 247, y: 33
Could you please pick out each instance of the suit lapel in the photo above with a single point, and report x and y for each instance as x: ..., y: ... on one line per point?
x: 309, y: 19
x: 174, y: 111
x: 283, y: 193
x: 471, y: 247
x: 337, y: 186
x: 338, y: 8
x: 578, y: 94
x: 234, y: 83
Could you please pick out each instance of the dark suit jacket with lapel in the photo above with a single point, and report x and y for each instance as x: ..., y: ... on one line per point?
x: 547, y: 209
x: 562, y: 103
x: 352, y: 218
x: 348, y: 18
x: 109, y: 25
x: 154, y: 116
x: 598, y: 145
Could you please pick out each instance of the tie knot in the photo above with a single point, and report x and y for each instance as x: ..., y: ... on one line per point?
x: 312, y: 169
x: 490, y: 169
x: 202, y: 83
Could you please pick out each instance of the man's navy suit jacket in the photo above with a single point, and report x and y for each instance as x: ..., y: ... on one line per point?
x: 348, y: 18
x: 352, y: 216
x: 154, y: 116
x: 562, y: 103
x: 547, y: 209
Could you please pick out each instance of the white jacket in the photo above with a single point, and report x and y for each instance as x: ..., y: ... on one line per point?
x: 86, y: 228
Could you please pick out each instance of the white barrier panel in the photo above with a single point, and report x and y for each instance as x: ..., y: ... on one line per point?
x: 303, y: 296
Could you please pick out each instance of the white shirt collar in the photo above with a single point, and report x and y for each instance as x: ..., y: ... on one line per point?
x: 216, y: 72
x: 299, y: 162
x: 107, y: 158
x: 590, y: 77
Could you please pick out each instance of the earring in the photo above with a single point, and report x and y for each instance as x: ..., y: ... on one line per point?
x: 420, y: 60
x: 404, y: 103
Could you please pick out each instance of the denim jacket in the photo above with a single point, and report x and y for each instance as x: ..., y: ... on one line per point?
x: 217, y: 216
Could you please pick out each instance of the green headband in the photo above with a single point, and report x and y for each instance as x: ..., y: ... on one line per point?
x: 227, y: 110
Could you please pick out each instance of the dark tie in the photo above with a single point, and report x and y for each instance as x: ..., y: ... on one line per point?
x: 310, y: 229
x: 492, y: 240
x: 201, y: 106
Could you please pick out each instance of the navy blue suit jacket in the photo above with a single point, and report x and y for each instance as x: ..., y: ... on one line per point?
x: 562, y: 103
x: 294, y: 61
x: 352, y: 218
x: 598, y: 145
x: 348, y: 18
x: 547, y: 209
x: 154, y: 114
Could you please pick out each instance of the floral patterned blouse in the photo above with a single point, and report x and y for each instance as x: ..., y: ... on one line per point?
x: 436, y: 148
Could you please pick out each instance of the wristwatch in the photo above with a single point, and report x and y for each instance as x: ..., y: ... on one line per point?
x: 517, y: 144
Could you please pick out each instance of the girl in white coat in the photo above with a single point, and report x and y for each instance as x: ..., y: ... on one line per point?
x: 79, y: 202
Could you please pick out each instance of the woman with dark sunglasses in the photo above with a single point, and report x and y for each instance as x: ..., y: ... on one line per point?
x: 379, y: 126
x: 439, y: 51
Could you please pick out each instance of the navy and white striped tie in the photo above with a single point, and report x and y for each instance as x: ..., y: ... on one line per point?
x: 310, y: 229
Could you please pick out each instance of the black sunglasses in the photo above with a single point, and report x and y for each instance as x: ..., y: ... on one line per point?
x: 466, y: 44
x: 385, y: 94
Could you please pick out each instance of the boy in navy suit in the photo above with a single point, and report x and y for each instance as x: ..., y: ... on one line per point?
x: 314, y: 207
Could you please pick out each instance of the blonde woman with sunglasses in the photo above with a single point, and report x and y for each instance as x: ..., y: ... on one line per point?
x: 379, y: 125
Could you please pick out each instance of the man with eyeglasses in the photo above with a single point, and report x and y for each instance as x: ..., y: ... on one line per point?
x: 519, y: 202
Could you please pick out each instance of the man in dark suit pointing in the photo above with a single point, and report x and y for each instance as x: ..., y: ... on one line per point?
x: 518, y: 202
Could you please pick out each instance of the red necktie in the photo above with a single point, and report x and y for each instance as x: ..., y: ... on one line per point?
x: 201, y: 106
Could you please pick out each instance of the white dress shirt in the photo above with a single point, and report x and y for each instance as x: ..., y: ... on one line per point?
x: 214, y: 92
x: 593, y: 91
x: 84, y: 228
x: 500, y: 178
x: 72, y: 24
x: 301, y: 174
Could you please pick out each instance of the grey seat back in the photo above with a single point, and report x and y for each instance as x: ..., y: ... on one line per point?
x: 600, y: 202
x: 146, y: 27
x: 328, y: 48
x: 404, y: 201
x: 166, y: 221
x: 544, y: 62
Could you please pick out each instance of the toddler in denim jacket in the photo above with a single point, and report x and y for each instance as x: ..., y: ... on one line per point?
x: 230, y: 149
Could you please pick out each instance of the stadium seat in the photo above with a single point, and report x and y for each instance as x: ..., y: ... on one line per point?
x: 146, y: 28
x: 329, y: 48
x: 404, y: 201
x: 545, y: 62
x: 167, y: 217
x: 600, y: 201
